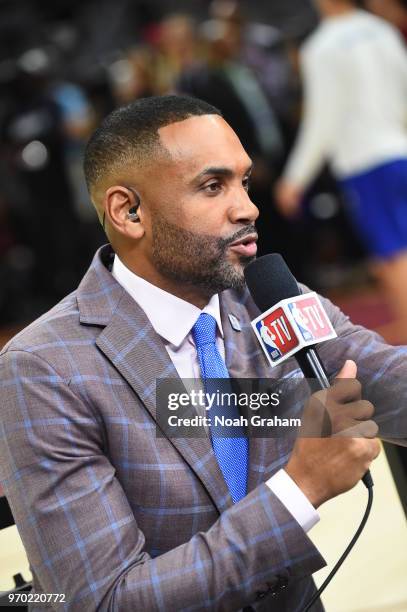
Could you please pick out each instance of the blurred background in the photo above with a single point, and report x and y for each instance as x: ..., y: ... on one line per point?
x: 64, y: 65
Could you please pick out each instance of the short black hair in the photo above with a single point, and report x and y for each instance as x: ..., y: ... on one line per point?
x: 130, y: 133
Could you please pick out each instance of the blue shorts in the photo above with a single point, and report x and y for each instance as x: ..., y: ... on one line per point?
x: 377, y: 205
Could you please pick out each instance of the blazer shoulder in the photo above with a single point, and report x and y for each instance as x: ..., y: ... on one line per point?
x: 50, y: 330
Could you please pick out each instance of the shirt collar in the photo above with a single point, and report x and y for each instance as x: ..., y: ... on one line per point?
x: 171, y: 317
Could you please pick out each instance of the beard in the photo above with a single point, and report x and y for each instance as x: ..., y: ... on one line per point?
x: 197, y: 259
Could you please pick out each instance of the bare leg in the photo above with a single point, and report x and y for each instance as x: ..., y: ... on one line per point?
x: 392, y: 277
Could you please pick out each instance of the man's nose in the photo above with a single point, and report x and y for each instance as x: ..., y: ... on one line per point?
x: 243, y: 210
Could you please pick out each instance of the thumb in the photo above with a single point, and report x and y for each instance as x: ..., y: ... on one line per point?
x: 349, y: 370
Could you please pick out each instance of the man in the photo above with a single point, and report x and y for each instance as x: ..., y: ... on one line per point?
x: 355, y: 78
x: 114, y: 517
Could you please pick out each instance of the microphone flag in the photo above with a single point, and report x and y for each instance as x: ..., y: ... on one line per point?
x: 291, y: 325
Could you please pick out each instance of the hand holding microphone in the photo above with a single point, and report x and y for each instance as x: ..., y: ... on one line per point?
x: 326, y: 467
x: 299, y: 322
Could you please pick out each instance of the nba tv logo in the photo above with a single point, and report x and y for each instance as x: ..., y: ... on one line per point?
x: 292, y: 324
x: 277, y: 334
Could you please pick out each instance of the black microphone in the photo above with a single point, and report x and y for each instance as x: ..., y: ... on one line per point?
x: 269, y: 281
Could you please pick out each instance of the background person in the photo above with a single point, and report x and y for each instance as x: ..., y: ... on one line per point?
x: 355, y: 79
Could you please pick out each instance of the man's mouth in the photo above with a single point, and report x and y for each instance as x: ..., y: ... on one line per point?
x: 245, y: 246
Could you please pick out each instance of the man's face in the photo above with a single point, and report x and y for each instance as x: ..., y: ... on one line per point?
x: 199, y: 206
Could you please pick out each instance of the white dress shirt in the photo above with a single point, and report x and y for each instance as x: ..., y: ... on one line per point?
x: 173, y: 319
x: 354, y: 70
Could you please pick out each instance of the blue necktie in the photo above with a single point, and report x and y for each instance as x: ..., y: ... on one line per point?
x: 231, y: 452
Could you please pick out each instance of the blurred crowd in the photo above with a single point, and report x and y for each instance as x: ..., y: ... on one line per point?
x: 52, y: 97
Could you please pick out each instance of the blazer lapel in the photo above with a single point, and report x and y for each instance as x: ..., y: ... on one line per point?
x: 131, y: 344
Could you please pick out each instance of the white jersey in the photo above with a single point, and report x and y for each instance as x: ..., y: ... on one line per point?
x: 354, y: 70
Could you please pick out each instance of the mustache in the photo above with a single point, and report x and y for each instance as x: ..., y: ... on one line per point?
x: 245, y: 231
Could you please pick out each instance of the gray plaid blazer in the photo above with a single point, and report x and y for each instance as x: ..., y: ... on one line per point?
x: 115, y: 518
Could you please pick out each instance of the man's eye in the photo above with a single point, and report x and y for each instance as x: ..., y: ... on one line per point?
x: 212, y: 188
x: 246, y: 183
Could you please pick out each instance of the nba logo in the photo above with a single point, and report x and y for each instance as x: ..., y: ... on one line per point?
x: 302, y: 321
x: 310, y: 318
x: 277, y: 335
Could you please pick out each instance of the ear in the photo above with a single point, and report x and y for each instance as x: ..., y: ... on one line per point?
x: 117, y: 202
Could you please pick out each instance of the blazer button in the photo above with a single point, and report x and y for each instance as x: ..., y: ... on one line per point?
x: 261, y: 594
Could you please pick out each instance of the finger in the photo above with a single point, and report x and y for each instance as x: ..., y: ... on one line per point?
x: 362, y: 429
x: 345, y: 390
x: 349, y: 370
x: 361, y: 410
x: 345, y: 425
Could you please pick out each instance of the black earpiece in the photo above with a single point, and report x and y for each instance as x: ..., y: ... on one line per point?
x: 132, y: 214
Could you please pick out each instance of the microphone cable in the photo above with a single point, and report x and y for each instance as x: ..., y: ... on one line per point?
x: 369, y: 486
